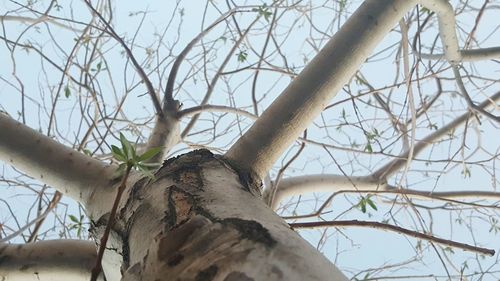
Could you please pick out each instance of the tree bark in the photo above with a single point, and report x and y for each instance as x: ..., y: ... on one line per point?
x: 199, y: 219
x: 47, y: 260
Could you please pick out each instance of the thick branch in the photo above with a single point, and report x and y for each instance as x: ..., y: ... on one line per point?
x: 308, y: 94
x: 341, y: 184
x: 447, y: 27
x: 322, y: 183
x: 166, y: 132
x: 48, y: 260
x: 377, y: 181
x: 70, y: 172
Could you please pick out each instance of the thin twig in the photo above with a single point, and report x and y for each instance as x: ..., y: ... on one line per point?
x: 52, y: 204
x: 138, y: 67
x: 397, y: 229
x: 169, y: 89
x: 104, y: 239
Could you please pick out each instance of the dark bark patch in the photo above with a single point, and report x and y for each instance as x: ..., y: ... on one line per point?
x: 179, y: 206
x: 138, y: 186
x: 237, y: 276
x: 172, y: 241
x: 175, y: 260
x: 27, y: 267
x: 186, y: 169
x: 190, y: 176
x: 207, y: 274
x: 133, y: 272
x: 190, y: 159
x: 251, y: 230
x: 199, y: 155
x: 277, y: 272
x: 248, y: 179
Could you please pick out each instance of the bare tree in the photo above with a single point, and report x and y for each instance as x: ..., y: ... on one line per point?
x: 248, y: 96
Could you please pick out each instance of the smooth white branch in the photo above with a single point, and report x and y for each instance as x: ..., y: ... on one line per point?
x: 72, y: 173
x: 468, y: 55
x: 34, y: 21
x: 447, y: 28
x: 377, y: 181
x: 322, y: 183
x: 166, y: 133
x: 51, y: 260
x: 341, y: 184
x: 308, y: 94
x: 395, y: 165
x: 447, y: 31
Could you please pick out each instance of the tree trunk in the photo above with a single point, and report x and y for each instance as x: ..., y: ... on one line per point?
x: 201, y: 220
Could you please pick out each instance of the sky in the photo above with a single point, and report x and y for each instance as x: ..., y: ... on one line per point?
x: 351, y: 249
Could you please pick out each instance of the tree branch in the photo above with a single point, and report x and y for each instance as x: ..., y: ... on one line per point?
x: 68, y: 171
x: 467, y: 55
x: 378, y: 179
x: 392, y: 167
x: 322, y: 183
x: 215, y: 79
x: 394, y: 228
x: 169, y: 89
x: 447, y: 27
x: 42, y: 18
x: 48, y: 260
x: 130, y: 55
x: 308, y: 94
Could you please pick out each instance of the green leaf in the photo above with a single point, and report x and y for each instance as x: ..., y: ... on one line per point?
x: 368, y: 148
x: 150, y: 153
x: 370, y: 202
x: 342, y: 4
x: 145, y: 171
x: 73, y: 219
x: 425, y: 10
x: 263, y: 11
x: 67, y: 91
x: 118, y: 154
x: 126, y: 147
x: 242, y: 56
x: 133, y: 154
x: 466, y: 172
x: 362, y: 205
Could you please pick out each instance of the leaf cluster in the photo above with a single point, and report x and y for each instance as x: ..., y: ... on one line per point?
x: 364, y: 201
x: 128, y: 158
x: 263, y: 11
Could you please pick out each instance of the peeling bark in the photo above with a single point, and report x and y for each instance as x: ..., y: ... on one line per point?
x: 200, y: 220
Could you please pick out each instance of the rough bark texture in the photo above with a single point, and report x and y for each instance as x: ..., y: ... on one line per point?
x: 201, y: 220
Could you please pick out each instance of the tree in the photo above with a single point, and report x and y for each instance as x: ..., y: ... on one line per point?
x: 201, y: 216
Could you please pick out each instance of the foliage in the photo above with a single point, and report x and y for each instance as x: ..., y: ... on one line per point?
x: 128, y: 158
